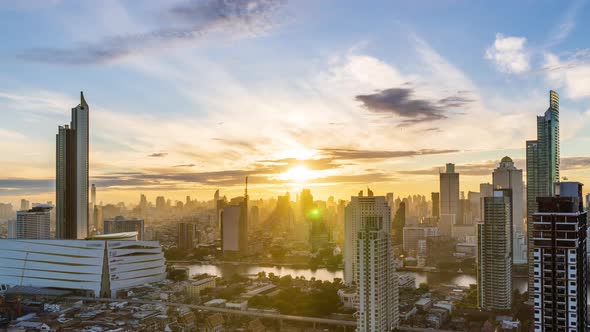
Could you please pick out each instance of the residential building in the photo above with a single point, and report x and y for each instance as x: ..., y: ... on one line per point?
x: 494, y: 259
x: 377, y: 284
x: 542, y: 167
x: 560, y: 260
x: 34, y: 223
x: 358, y: 209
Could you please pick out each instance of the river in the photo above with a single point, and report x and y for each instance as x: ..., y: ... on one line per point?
x: 431, y: 278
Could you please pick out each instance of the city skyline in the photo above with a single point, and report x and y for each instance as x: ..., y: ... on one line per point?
x: 185, y: 116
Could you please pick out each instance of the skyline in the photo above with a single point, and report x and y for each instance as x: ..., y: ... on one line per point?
x: 331, y: 108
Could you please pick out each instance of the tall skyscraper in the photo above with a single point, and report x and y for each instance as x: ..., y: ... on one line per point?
x: 377, y: 284
x: 72, y: 175
x: 33, y: 223
x: 120, y: 224
x: 494, y: 259
x: 560, y: 260
x: 542, y: 167
x: 449, y: 199
x: 508, y: 176
x: 359, y: 209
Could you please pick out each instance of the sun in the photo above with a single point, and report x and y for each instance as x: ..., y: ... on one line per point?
x: 298, y: 174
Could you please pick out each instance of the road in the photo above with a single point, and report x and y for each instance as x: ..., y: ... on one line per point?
x: 301, y: 319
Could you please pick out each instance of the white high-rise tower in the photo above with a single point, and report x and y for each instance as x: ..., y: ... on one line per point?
x: 507, y: 176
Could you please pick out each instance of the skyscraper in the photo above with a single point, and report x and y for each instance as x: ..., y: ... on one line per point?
x: 359, y: 209
x: 377, y: 281
x: 542, y: 167
x: 390, y: 198
x: 449, y: 199
x: 435, y: 204
x: 72, y: 175
x: 508, y: 176
x: 187, y: 235
x: 560, y: 260
x: 494, y: 259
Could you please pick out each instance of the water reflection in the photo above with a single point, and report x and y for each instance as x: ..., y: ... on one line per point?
x: 227, y: 270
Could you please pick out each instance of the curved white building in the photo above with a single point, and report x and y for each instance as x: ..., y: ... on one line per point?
x: 100, y: 266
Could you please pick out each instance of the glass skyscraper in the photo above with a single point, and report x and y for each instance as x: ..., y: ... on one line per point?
x: 542, y: 166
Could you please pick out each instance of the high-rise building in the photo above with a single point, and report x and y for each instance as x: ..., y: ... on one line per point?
x: 435, y: 204
x: 92, y: 221
x: 508, y: 176
x: 72, y: 175
x: 33, y: 223
x: 120, y: 224
x: 413, y: 235
x: 24, y: 205
x: 360, y: 208
x: 494, y: 259
x: 398, y: 224
x: 560, y: 260
x: 234, y: 226
x: 390, y: 198
x: 542, y: 167
x: 187, y: 235
x: 449, y: 199
x: 377, y: 284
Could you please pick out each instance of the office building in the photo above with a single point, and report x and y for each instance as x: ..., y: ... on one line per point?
x: 188, y: 235
x: 494, y: 258
x: 542, y: 167
x: 560, y: 260
x: 234, y: 226
x: 359, y: 209
x: 72, y: 175
x: 509, y: 177
x: 99, y: 267
x: 120, y: 224
x: 33, y: 223
x: 449, y: 199
x: 377, y: 286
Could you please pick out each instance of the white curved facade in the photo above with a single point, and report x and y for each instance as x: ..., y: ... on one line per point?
x: 101, y: 267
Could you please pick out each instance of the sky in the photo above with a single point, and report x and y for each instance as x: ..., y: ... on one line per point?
x: 188, y: 96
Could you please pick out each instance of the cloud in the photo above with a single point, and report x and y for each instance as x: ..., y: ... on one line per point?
x: 180, y: 25
x: 158, y: 154
x: 571, y: 73
x: 185, y: 165
x: 16, y: 186
x: 400, y: 101
x: 351, y: 154
x: 477, y: 169
x: 566, y: 24
x: 574, y: 163
x: 509, y: 54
